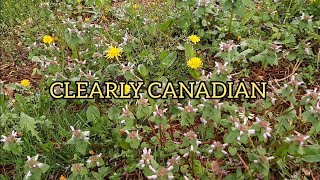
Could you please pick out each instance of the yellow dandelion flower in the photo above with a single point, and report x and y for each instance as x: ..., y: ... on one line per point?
x: 91, y: 152
x: 47, y: 39
x: 25, y: 82
x: 62, y: 177
x: 194, y: 63
x: 127, y: 89
x: 135, y: 6
x: 113, y: 52
x: 87, y: 19
x: 193, y: 38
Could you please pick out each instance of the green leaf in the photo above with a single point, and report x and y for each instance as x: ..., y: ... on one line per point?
x: 311, y: 158
x: 166, y: 62
x: 81, y: 147
x: 143, y: 70
x: 92, y: 113
x: 246, y: 52
x: 311, y: 153
x: 194, y: 73
x: 189, y: 51
x: 232, y: 150
x: 292, y: 56
x: 113, y: 113
x: 164, y: 26
x: 204, y: 22
x: 28, y: 123
x: 231, y: 137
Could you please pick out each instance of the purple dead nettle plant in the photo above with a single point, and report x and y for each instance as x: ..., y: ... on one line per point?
x: 146, y: 158
x: 275, y: 47
x: 263, y: 159
x: 299, y: 138
x: 78, y: 134
x: 294, y: 82
x: 221, y: 68
x: 189, y: 108
x: 313, y: 94
x: 192, y: 137
x: 173, y: 161
x: 316, y: 110
x: 142, y: 100
x: 204, y: 3
x: 189, y: 150
x: 246, y: 116
x: 127, y: 68
x: 126, y: 112
x: 306, y: 17
x: 243, y: 128
x: 272, y: 97
x: 95, y: 160
x: 159, y: 112
x: 133, y: 134
x: 216, y: 145
x: 161, y: 172
x: 229, y: 46
x: 205, y: 77
x: 204, y: 121
x: 13, y: 138
x: 91, y: 77
x: 215, y: 102
x: 265, y: 126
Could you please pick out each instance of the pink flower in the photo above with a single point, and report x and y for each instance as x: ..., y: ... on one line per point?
x: 159, y: 112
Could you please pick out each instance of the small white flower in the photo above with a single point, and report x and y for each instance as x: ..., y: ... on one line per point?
x: 298, y: 138
x: 266, y: 126
x: 245, y: 118
x: 221, y: 68
x: 28, y: 175
x: 276, y: 47
x: 159, y: 112
x: 77, y: 133
x: 228, y: 46
x: 216, y: 145
x: 126, y: 112
x: 173, y: 161
x: 204, y: 3
x: 243, y: 128
x: 146, y: 157
x: 152, y: 177
x: 11, y: 138
x: 306, y: 17
x: 295, y: 82
x: 91, y: 76
x: 161, y: 172
x: 189, y: 108
x: 205, y: 77
x: 203, y: 120
x: 127, y: 68
x: 263, y: 159
x: 142, y: 100
x: 251, y: 131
